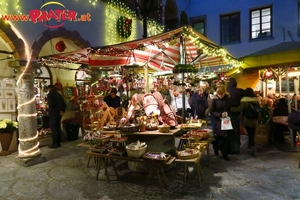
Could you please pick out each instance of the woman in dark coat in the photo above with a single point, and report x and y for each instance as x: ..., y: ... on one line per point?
x: 220, y: 108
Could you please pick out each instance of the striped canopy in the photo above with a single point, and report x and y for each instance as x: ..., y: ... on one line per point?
x: 161, y: 52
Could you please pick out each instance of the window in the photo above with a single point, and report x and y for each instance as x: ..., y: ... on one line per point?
x: 230, y: 28
x: 261, y: 23
x: 198, y: 24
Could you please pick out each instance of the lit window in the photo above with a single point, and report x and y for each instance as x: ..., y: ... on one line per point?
x: 261, y: 23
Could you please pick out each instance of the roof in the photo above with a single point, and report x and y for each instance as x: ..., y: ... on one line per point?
x: 282, y: 54
x: 161, y: 52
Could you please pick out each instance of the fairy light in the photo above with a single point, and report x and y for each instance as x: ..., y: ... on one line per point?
x: 29, y: 139
x: 210, y: 50
x: 93, y: 2
x: 7, y: 5
x: 25, y: 153
x: 114, y: 10
x: 32, y: 153
x: 154, y: 28
x: 27, y: 53
x: 26, y: 103
x: 27, y: 115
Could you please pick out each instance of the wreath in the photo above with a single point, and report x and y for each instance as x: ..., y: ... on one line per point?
x: 124, y: 26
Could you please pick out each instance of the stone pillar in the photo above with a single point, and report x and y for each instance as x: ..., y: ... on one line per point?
x: 28, y: 149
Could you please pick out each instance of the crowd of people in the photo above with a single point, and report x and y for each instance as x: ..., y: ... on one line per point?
x: 208, y: 103
x: 228, y: 100
x: 222, y: 101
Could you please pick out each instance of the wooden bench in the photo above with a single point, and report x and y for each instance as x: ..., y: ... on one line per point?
x: 156, y: 168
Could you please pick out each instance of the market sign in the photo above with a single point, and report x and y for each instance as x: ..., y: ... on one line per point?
x: 56, y: 16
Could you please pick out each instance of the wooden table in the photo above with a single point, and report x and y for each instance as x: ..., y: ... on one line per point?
x: 196, y: 162
x: 156, y: 142
x: 156, y: 168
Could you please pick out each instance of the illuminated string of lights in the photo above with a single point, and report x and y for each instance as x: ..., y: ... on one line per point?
x: 210, y: 50
x: 8, y: 5
x: 114, y: 10
x: 26, y: 103
x: 93, y: 2
x: 30, y: 151
x: 27, y: 115
x: 29, y: 139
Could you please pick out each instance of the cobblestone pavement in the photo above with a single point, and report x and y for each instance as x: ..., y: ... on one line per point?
x: 273, y: 174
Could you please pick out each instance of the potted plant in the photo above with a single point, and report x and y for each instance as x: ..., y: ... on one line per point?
x: 72, y: 126
x: 7, y: 128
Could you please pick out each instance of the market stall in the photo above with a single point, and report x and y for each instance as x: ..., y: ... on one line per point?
x: 183, y: 53
x: 183, y: 56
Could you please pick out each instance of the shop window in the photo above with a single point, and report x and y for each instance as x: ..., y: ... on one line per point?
x: 261, y: 23
x: 198, y: 24
x: 230, y: 28
x: 283, y: 85
x: 41, y: 81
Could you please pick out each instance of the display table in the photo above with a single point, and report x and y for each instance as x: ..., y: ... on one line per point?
x: 156, y: 142
x: 156, y: 168
x: 195, y: 162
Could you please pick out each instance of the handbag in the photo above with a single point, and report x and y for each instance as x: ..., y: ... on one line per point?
x: 226, y: 123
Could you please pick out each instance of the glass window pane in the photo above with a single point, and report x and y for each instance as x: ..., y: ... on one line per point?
x: 255, y: 21
x: 265, y: 26
x: 254, y: 35
x: 255, y: 27
x: 199, y: 26
x: 230, y: 28
x: 266, y: 11
x: 265, y: 19
x: 255, y: 13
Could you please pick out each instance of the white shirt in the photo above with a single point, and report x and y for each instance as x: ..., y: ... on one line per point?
x: 176, y: 102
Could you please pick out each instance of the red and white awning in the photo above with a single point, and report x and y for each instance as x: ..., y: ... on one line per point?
x: 160, y: 52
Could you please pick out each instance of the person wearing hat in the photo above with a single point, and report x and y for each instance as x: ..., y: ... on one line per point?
x: 112, y: 100
x: 56, y: 109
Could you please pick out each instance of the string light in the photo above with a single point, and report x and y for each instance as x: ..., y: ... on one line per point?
x: 29, y: 139
x: 114, y: 10
x: 26, y: 103
x: 27, y: 115
x: 24, y: 153
x: 10, y: 7
x: 93, y: 2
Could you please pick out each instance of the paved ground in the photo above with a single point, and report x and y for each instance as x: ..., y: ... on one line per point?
x: 273, y: 174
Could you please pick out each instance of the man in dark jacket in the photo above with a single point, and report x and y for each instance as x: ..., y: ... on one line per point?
x: 236, y: 95
x: 56, y: 109
x: 112, y: 100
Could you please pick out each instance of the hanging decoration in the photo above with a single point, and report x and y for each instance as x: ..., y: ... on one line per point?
x: 268, y: 74
x: 60, y: 46
x: 124, y: 26
x: 184, y: 68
